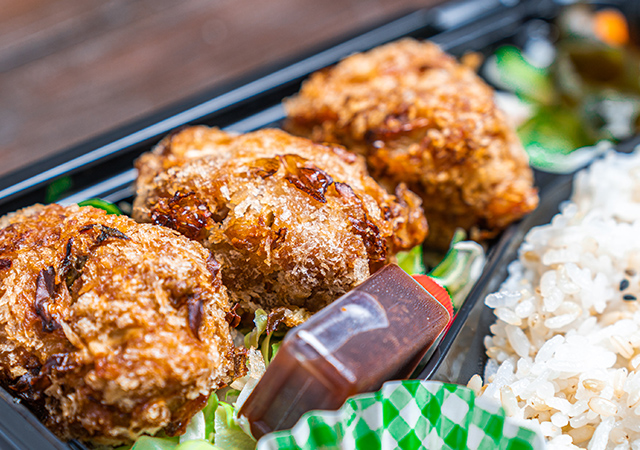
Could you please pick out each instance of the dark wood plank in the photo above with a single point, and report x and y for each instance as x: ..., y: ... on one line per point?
x: 77, y: 68
x: 33, y: 29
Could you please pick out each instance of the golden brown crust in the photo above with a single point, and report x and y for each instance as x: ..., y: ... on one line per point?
x: 421, y: 118
x: 110, y: 328
x: 293, y: 223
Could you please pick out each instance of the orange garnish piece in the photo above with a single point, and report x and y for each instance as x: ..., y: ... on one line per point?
x: 610, y: 26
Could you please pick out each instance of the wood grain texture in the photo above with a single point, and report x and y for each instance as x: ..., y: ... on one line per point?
x: 72, y: 69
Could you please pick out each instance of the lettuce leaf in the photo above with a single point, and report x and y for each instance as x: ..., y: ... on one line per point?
x: 411, y: 261
x: 155, y: 443
x: 229, y: 435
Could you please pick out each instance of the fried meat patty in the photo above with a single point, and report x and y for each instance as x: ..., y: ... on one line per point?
x: 110, y: 328
x: 293, y: 223
x: 421, y: 118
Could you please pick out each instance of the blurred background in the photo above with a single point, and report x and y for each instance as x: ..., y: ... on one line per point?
x: 72, y: 69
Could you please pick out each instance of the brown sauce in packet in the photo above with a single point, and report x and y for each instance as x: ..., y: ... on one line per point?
x: 377, y: 332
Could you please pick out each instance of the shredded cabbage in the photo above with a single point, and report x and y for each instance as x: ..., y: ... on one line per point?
x: 411, y: 261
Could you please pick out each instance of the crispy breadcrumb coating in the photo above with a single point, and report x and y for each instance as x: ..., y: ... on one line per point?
x: 110, y: 328
x: 293, y: 223
x: 421, y: 118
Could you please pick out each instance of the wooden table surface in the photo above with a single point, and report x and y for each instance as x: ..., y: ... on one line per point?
x: 72, y: 69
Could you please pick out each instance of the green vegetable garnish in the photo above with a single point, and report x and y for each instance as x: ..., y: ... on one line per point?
x: 195, y: 429
x: 213, y: 428
x: 57, y: 188
x: 260, y: 320
x: 457, y: 271
x: 460, y: 268
x: 274, y: 349
x: 231, y: 395
x: 590, y: 93
x: 253, y: 338
x: 227, y: 413
x: 551, y: 132
x: 449, y: 260
x: 521, y: 77
x: 411, y: 261
x: 209, y: 413
x: 197, y: 444
x: 154, y: 443
x: 110, y: 208
x: 229, y: 436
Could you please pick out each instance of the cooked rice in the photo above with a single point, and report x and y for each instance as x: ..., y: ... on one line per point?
x: 565, y: 350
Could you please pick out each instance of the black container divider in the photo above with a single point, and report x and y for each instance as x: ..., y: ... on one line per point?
x: 102, y: 168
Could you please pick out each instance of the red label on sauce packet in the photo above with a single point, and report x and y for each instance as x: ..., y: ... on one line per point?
x: 439, y: 292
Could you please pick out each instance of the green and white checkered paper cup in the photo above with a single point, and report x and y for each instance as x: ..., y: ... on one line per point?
x: 410, y: 414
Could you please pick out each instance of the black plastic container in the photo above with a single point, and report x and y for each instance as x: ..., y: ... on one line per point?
x: 103, y: 167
